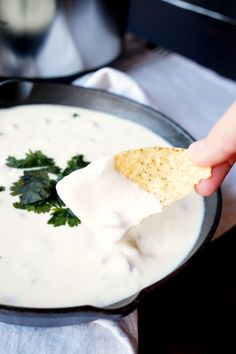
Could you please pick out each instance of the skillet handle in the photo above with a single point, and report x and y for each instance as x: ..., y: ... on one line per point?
x: 14, y: 92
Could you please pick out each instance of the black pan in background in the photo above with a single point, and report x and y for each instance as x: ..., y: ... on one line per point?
x: 18, y: 93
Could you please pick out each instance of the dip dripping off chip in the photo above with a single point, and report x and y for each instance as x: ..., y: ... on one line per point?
x: 168, y: 173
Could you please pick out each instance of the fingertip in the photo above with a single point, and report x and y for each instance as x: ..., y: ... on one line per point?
x: 196, y: 150
x: 205, y: 188
x: 209, y: 186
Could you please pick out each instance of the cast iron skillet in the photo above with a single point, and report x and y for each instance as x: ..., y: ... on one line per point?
x: 14, y: 93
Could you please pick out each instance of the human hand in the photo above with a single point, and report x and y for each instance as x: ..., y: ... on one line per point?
x: 217, y: 150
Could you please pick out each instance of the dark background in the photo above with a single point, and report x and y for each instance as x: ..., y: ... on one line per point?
x: 196, y: 312
x: 225, y: 7
x: 208, y: 37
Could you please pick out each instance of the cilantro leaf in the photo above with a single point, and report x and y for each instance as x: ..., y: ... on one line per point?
x: 75, y: 115
x: 2, y: 189
x: 43, y: 206
x: 32, y: 160
x: 63, y: 216
x: 75, y: 163
x: 33, y: 186
x: 37, y: 190
x: 37, y: 207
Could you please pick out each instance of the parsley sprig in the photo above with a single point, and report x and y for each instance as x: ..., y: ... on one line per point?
x: 62, y: 216
x: 32, y: 160
x: 2, y: 189
x: 75, y: 163
x: 33, y: 186
x: 36, y: 188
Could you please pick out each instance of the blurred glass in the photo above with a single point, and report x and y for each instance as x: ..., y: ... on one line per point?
x: 59, y: 38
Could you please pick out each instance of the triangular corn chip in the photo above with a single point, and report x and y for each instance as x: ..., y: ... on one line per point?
x: 168, y: 173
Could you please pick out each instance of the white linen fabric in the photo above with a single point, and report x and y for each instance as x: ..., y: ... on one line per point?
x: 113, y: 81
x: 99, y: 337
x: 194, y: 97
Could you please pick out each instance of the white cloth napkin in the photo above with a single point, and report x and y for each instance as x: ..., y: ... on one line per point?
x: 113, y: 81
x: 106, y: 337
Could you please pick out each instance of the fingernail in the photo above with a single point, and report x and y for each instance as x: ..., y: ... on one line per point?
x: 195, y: 150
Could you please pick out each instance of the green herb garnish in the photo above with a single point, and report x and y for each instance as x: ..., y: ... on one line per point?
x: 75, y: 163
x: 76, y: 115
x: 37, y: 207
x: 33, y: 186
x: 2, y: 189
x: 33, y: 160
x: 36, y: 188
x: 62, y: 216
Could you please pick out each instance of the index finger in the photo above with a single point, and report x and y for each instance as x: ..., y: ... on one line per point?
x: 220, y: 144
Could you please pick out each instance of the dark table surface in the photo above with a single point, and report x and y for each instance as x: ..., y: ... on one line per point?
x: 196, y: 312
x: 202, y: 30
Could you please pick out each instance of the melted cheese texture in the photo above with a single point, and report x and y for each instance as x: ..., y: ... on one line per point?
x: 105, y: 200
x: 46, y: 267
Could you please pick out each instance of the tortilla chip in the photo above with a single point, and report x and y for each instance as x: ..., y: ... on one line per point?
x: 168, y: 173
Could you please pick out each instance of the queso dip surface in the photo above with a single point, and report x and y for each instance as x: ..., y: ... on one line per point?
x: 43, y: 266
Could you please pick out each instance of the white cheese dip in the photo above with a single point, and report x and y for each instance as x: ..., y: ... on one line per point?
x: 43, y: 266
x: 105, y: 200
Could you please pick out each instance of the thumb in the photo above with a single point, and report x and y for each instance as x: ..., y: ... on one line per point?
x: 220, y: 144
